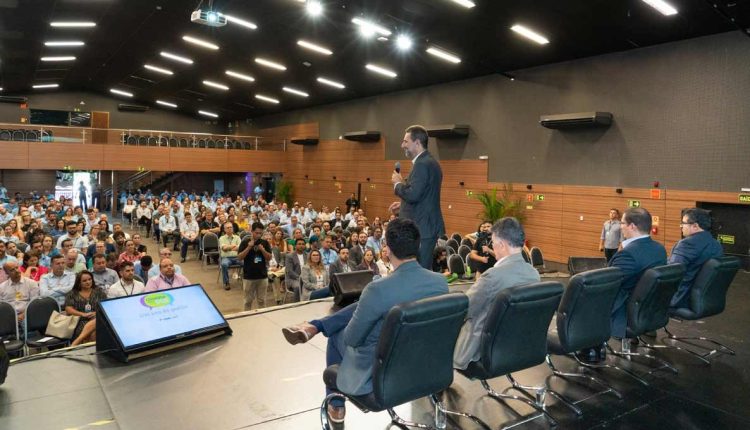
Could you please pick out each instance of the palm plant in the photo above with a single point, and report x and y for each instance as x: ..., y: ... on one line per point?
x: 505, y: 205
x: 284, y: 192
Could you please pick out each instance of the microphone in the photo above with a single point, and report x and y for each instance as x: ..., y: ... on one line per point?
x: 397, y: 167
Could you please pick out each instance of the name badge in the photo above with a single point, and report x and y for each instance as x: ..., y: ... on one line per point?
x: 258, y: 259
x: 87, y: 308
x: 19, y: 296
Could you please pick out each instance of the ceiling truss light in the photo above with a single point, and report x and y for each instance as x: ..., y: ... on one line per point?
x: 167, y: 104
x: 207, y: 113
x: 663, y: 7
x: 444, y: 55
x: 271, y: 64
x: 331, y: 83
x: 240, y: 76
x: 216, y: 85
x: 404, y: 42
x: 69, y: 58
x: 120, y: 92
x: 176, y: 58
x: 200, y: 42
x: 530, y: 34
x: 369, y: 28
x: 158, y: 69
x: 239, y: 21
x: 465, y: 3
x: 72, y: 24
x: 381, y: 70
x: 314, y: 47
x: 266, y: 99
x: 63, y: 43
x: 295, y: 92
x: 314, y: 7
x: 42, y: 86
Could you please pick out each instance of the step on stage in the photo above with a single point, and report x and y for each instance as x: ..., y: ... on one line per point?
x: 256, y: 380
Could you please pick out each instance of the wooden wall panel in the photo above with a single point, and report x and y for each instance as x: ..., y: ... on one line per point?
x: 14, y: 155
x: 57, y: 155
x: 133, y: 157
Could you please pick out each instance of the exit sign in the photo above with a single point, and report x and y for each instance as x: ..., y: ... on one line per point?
x: 634, y: 203
x: 744, y: 198
x: 540, y: 197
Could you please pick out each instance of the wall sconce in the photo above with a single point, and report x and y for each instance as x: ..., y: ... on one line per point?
x: 618, y: 190
x: 529, y: 186
x: 461, y: 183
x: 305, y: 176
x: 368, y: 179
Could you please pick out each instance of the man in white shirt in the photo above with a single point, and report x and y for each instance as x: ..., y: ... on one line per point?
x: 143, y: 215
x: 17, y: 290
x: 167, y: 227
x: 164, y: 253
x: 189, y: 234
x: 72, y: 234
x: 57, y: 283
x: 127, y: 285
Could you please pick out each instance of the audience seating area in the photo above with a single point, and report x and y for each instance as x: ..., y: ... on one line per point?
x: 186, y: 142
x: 23, y: 135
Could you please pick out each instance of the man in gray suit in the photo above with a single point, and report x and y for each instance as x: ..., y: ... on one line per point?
x: 510, y: 270
x: 420, y: 192
x: 343, y: 264
x: 353, y: 332
x: 293, y: 264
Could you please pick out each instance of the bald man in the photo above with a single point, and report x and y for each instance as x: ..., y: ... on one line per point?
x: 167, y: 278
x: 17, y: 290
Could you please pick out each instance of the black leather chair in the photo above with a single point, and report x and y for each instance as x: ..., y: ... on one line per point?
x: 456, y: 265
x: 452, y: 243
x: 9, y: 330
x: 38, y: 312
x: 537, y: 260
x: 514, y: 338
x: 583, y: 319
x: 18, y: 136
x: 173, y: 143
x: 132, y: 140
x: 526, y: 256
x: 404, y: 369
x: 457, y: 237
x: 153, y: 141
x: 708, y: 297
x: 31, y: 135
x: 5, y: 135
x: 648, y: 310
x: 463, y: 251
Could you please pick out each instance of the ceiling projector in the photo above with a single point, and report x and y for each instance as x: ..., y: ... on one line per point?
x: 208, y: 17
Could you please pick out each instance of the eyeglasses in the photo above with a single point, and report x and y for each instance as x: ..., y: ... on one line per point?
x: 686, y: 223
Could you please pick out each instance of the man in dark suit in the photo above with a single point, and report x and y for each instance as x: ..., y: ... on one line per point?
x: 354, y: 331
x: 639, y: 253
x: 420, y: 192
x: 697, y: 247
x: 356, y: 250
x: 294, y: 261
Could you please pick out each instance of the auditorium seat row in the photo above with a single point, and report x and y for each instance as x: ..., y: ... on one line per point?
x: 185, y: 142
x: 26, y: 135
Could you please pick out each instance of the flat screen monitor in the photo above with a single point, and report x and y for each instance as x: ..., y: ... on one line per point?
x: 49, y: 117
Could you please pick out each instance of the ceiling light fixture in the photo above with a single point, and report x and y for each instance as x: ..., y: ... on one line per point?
x: 381, y: 70
x: 295, y: 92
x: 167, y: 104
x: 176, y: 58
x: 41, y: 86
x: 158, y: 69
x: 404, y: 42
x: 266, y: 99
x: 447, y: 56
x: 331, y: 83
x: 530, y: 34
x: 240, y: 76
x: 314, y: 7
x: 216, y: 85
x: 240, y: 21
x: 314, y: 47
x: 58, y: 58
x: 64, y: 43
x: 207, y: 113
x: 72, y: 24
x: 120, y: 92
x: 662, y: 6
x: 465, y: 3
x: 369, y: 28
x: 271, y: 64
x: 199, y: 42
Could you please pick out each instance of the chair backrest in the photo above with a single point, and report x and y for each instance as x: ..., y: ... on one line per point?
x: 414, y: 356
x: 536, y: 257
x: 450, y: 250
x: 708, y: 295
x: 32, y: 135
x: 526, y: 256
x: 648, y: 305
x: 210, y: 241
x: 453, y: 243
x: 37, y: 314
x: 5, y: 135
x: 463, y: 251
x: 183, y: 143
x: 456, y: 237
x: 466, y: 241
x: 8, y: 320
x: 583, y: 317
x: 456, y: 264
x: 515, y: 332
x: 132, y: 140
x: 173, y: 142
x: 142, y: 140
x: 152, y: 141
x: 22, y: 246
x: 18, y: 135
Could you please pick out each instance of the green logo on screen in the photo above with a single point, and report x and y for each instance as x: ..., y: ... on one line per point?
x: 157, y: 300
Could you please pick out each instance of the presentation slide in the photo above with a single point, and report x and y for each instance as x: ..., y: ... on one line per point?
x: 162, y: 314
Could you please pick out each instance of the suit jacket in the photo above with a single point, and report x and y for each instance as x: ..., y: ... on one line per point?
x: 633, y: 260
x: 309, y: 282
x: 338, y: 267
x: 293, y: 270
x: 408, y: 283
x: 512, y: 271
x: 420, y: 195
x: 356, y: 254
x: 692, y: 251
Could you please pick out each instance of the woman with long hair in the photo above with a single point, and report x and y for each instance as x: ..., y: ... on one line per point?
x: 130, y: 253
x: 68, y: 215
x: 31, y: 268
x: 83, y: 301
x: 314, y: 275
x: 368, y: 262
x: 58, y: 230
x: 278, y: 242
x: 48, y: 251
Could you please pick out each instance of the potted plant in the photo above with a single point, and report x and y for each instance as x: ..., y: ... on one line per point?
x: 284, y: 192
x: 504, y: 205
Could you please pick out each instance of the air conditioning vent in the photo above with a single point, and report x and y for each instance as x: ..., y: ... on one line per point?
x: 304, y: 140
x: 132, y: 108
x: 448, y: 130
x: 13, y: 99
x: 363, y: 136
x: 576, y: 120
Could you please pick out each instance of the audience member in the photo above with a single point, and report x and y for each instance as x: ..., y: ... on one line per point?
x: 294, y: 263
x: 72, y: 264
x: 356, y: 249
x: 167, y: 278
x: 314, y: 275
x: 368, y: 262
x: 189, y: 234
x: 83, y: 301
x: 327, y: 254
x: 384, y: 264
x: 440, y: 260
x: 229, y: 244
x: 254, y: 253
x: 155, y: 270
x: 31, y: 268
x: 143, y: 266
x: 483, y: 253
x: 127, y: 285
x: 130, y: 254
x: 344, y: 264
x: 611, y: 239
x: 17, y: 290
x: 58, y: 282
x: 104, y: 277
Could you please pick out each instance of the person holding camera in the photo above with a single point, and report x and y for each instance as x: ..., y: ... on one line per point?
x: 482, y: 253
x: 255, y: 254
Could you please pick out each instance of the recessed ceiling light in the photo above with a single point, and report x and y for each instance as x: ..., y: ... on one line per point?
x: 216, y: 85
x: 369, y: 28
x: 59, y: 43
x: 314, y: 7
x: 70, y: 58
x: 381, y: 70
x: 296, y: 92
x: 314, y: 47
x: 530, y: 34
x: 662, y: 6
x: 271, y: 64
x: 465, y: 3
x: 72, y: 24
x: 167, y: 104
x: 40, y: 86
x: 120, y: 92
x: 158, y: 69
x: 207, y: 113
x: 199, y: 42
x: 240, y: 76
x: 447, y: 56
x: 404, y: 42
x: 176, y: 58
x: 240, y: 21
x: 1, y: 88
x: 331, y: 83
x: 266, y: 99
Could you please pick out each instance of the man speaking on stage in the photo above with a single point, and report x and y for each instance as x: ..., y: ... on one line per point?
x: 420, y: 192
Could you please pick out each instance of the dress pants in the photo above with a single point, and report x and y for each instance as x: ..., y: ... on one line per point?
x: 333, y: 327
x: 426, y: 248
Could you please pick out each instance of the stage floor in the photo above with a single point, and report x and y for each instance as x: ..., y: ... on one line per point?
x: 254, y: 379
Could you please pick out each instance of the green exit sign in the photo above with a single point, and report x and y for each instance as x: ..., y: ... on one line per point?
x: 540, y: 197
x: 726, y: 239
x: 634, y: 203
x: 744, y: 198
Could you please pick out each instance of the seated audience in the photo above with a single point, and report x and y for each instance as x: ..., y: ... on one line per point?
x: 343, y: 265
x: 188, y: 233
x: 72, y: 264
x: 229, y: 244
x: 167, y: 278
x: 293, y: 265
x: 104, y: 276
x: 17, y: 290
x: 58, y: 282
x: 143, y: 266
x: 83, y: 301
x: 143, y: 214
x: 48, y: 251
x: 140, y: 248
x: 130, y: 254
x: 314, y: 275
x: 127, y: 285
x: 327, y: 254
x: 31, y: 268
x: 368, y: 262
x: 155, y: 270
x: 440, y: 260
x: 384, y: 264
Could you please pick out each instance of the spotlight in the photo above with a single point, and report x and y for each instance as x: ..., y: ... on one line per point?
x: 403, y: 42
x: 314, y: 8
x: 334, y: 178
